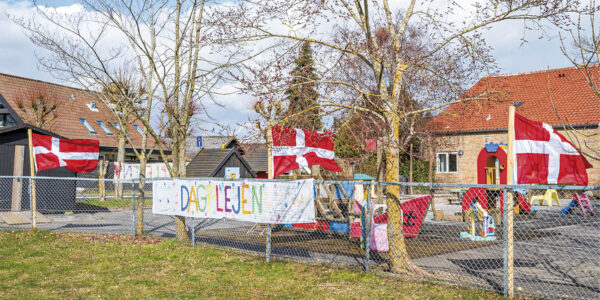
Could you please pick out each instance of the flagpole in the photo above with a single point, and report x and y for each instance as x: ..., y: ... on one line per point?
x: 32, y: 181
x: 508, y: 206
x: 270, y: 173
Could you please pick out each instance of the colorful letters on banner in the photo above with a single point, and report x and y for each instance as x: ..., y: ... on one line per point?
x: 260, y: 202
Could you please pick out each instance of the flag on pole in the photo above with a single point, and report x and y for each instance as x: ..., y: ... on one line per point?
x: 80, y: 156
x: 544, y: 156
x: 298, y: 148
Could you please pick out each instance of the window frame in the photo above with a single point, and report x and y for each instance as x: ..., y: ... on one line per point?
x: 138, y: 128
x: 447, y: 154
x: 105, y: 128
x: 88, y: 126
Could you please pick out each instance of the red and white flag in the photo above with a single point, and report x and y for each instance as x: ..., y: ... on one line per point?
x: 80, y: 156
x: 544, y: 156
x: 299, y: 148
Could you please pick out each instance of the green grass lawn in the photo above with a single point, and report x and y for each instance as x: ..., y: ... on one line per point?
x: 108, y: 203
x: 36, y: 264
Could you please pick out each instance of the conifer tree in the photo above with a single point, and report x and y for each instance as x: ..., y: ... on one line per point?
x: 303, y: 108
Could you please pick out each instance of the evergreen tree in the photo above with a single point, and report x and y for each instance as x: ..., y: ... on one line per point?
x: 303, y: 109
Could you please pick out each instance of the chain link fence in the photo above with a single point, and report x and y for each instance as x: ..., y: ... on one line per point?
x: 456, y: 233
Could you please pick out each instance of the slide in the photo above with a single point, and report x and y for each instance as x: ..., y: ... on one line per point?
x: 571, y: 205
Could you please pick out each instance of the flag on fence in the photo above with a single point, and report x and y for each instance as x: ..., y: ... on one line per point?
x: 298, y: 148
x: 80, y: 156
x: 544, y: 156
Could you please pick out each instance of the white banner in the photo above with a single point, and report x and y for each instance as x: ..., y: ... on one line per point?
x: 129, y: 171
x: 260, y: 202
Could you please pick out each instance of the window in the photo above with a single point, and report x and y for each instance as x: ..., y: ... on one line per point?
x: 6, y: 120
x: 138, y: 128
x: 447, y: 162
x: 88, y: 126
x: 106, y: 130
x: 117, y: 126
x: 92, y: 106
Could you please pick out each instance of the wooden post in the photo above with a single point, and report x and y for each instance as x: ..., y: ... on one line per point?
x: 410, y: 171
x: 17, y: 184
x: 430, y: 174
x: 509, y: 207
x: 380, y: 169
x: 102, y: 165
x: 32, y: 181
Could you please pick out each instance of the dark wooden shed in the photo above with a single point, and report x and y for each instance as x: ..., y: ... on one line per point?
x: 212, y: 163
x: 53, y: 196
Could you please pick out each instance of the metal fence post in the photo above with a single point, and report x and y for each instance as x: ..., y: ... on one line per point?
x: 193, y: 233
x: 268, y: 242
x: 133, y: 216
x: 368, y: 229
x: 31, y: 204
x: 504, y: 235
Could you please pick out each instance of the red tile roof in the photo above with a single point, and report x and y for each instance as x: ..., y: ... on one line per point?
x: 72, y: 105
x: 549, y: 96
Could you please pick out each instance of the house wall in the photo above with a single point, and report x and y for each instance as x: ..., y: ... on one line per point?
x: 472, y: 144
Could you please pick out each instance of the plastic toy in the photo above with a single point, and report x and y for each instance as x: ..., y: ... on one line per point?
x: 550, y: 195
x: 476, y: 214
x: 582, y: 201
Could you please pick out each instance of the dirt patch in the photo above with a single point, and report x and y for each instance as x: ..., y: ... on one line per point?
x: 116, y: 238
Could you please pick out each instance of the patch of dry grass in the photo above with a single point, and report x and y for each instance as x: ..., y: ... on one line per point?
x: 36, y: 264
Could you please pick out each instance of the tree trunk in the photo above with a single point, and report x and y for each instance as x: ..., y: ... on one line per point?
x: 119, y: 164
x: 179, y: 166
x: 400, y: 261
x: 139, y: 201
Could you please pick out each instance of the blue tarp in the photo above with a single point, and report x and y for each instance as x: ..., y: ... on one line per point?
x: 348, y: 188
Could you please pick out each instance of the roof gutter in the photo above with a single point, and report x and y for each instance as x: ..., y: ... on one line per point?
x: 587, y: 125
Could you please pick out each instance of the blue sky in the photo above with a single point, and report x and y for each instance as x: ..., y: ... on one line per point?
x: 17, y: 53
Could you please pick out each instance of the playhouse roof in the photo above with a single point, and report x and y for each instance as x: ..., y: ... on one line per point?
x: 549, y: 96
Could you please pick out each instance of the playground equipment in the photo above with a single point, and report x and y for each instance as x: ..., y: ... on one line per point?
x: 476, y: 214
x: 483, y: 194
x: 378, y: 240
x: 550, y: 195
x: 582, y: 201
x: 341, y: 208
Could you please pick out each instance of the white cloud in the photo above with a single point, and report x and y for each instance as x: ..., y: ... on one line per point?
x: 17, y: 55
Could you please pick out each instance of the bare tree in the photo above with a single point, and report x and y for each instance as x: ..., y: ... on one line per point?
x: 581, y: 46
x: 112, y: 95
x: 394, y: 68
x: 165, y: 44
x: 38, y: 105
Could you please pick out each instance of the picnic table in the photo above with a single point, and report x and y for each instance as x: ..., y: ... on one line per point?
x: 459, y: 193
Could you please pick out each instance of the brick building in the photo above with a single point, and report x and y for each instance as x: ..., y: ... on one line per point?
x: 471, y: 136
x: 78, y: 114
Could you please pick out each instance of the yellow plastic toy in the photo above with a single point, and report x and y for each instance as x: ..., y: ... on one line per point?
x: 550, y: 195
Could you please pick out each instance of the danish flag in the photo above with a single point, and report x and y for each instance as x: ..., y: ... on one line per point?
x: 299, y: 148
x: 80, y: 156
x: 544, y: 156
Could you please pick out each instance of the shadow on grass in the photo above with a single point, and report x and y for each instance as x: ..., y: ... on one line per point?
x: 82, y: 207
